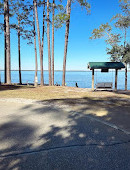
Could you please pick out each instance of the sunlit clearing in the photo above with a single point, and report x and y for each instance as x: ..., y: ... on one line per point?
x: 97, y: 112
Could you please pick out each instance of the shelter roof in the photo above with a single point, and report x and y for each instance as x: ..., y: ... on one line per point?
x: 105, y: 65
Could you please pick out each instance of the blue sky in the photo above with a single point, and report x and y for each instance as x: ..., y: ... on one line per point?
x: 81, y: 49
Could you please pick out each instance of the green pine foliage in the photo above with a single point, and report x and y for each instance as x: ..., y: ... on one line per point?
x: 116, y: 50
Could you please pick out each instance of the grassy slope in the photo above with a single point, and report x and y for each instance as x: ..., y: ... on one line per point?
x: 109, y: 106
x: 45, y: 93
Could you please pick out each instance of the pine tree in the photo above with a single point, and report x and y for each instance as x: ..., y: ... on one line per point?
x: 39, y: 40
x: 53, y: 14
x: 83, y: 3
x: 8, y: 62
x: 35, y: 49
x: 48, y: 39
x: 123, y: 23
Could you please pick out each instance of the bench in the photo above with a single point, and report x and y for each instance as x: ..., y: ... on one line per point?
x: 104, y: 86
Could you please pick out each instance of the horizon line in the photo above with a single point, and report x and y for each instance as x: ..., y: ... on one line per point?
x: 66, y: 70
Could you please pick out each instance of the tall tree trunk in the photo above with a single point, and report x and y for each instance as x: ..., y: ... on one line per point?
x: 66, y: 40
x: 125, y: 38
x: 39, y: 40
x: 53, y: 13
x: 19, y: 52
x: 5, y: 48
x: 43, y: 26
x: 8, y: 45
x: 43, y: 30
x: 48, y: 38
x: 125, y: 76
x: 35, y: 48
x: 125, y: 63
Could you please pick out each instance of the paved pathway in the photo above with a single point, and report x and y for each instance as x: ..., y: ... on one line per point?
x: 36, y: 136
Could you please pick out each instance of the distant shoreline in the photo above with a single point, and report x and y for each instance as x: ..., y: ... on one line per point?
x: 68, y: 70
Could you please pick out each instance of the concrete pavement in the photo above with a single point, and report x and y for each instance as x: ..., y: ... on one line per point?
x: 37, y: 136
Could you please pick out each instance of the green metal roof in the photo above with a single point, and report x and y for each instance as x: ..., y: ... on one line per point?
x: 105, y: 65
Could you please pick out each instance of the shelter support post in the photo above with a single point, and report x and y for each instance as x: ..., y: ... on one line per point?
x: 116, y: 72
x: 92, y: 79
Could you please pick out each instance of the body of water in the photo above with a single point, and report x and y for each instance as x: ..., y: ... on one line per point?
x: 83, y: 79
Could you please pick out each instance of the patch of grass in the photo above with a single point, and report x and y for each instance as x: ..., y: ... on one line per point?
x: 54, y: 92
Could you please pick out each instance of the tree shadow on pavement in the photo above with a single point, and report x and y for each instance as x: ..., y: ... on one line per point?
x: 109, y: 109
x: 49, y: 136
